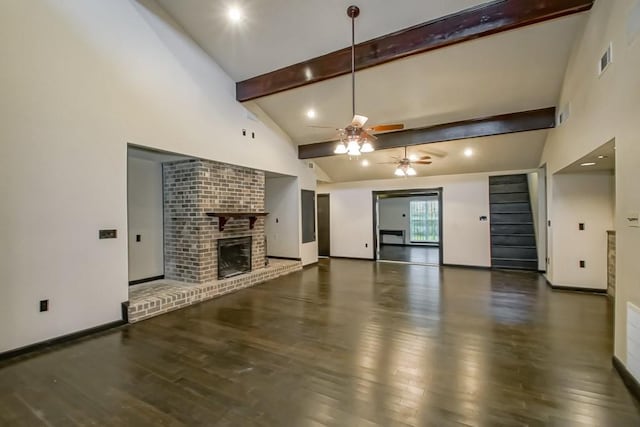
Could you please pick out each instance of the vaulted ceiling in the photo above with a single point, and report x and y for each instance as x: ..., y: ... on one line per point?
x: 512, y: 71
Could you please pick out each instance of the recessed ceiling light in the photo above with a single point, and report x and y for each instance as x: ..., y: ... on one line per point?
x: 235, y: 14
x: 603, y: 157
x: 468, y: 152
x: 365, y: 163
x: 588, y: 164
x: 311, y: 113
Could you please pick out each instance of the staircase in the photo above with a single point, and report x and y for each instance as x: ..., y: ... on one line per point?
x: 513, y: 240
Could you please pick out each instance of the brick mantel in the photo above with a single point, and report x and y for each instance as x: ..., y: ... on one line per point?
x: 192, y: 188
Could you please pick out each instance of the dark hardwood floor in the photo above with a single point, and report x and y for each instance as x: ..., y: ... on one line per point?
x: 346, y: 343
x: 412, y: 254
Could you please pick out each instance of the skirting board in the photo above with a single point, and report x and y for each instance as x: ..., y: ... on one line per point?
x: 629, y: 380
x: 471, y: 267
x: 353, y: 258
x: 43, y: 345
x: 146, y: 280
x: 285, y: 258
x: 572, y: 289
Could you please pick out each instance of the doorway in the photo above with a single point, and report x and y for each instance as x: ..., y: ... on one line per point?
x: 407, y: 226
x: 324, y: 226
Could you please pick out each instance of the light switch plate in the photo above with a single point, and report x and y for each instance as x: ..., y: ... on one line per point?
x: 633, y: 219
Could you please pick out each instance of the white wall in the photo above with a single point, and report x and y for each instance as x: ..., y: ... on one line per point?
x: 604, y: 108
x: 281, y: 225
x: 145, y: 218
x: 581, y: 198
x: 81, y: 79
x: 465, y: 239
x: 391, y: 211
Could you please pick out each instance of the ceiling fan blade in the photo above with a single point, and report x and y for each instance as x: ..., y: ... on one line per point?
x: 385, y: 128
x: 434, y: 152
x: 421, y: 162
x: 359, y: 121
x: 387, y: 163
x: 369, y: 136
x: 424, y: 158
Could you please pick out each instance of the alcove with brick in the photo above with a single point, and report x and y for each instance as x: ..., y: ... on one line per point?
x: 192, y: 190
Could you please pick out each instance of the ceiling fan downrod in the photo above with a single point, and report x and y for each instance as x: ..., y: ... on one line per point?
x: 353, y: 12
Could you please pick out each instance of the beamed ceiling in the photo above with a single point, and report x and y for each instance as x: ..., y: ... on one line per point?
x: 511, y: 71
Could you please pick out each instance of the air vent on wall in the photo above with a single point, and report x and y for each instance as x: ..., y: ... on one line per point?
x: 606, y: 59
x: 564, y: 114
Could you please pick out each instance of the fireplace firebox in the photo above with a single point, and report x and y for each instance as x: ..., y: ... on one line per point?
x: 234, y: 256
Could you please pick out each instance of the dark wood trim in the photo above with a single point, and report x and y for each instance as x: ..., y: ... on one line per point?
x: 579, y: 290
x: 469, y: 267
x: 470, y: 24
x: 351, y: 258
x: 55, y: 342
x: 284, y: 257
x: 502, y: 124
x: 404, y: 193
x: 146, y: 280
x: 224, y: 217
x: 629, y: 380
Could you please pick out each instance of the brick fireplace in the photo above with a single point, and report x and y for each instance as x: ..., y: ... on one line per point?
x: 193, y: 188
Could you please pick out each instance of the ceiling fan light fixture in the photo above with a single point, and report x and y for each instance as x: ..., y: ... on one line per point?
x: 354, y: 152
x: 411, y: 171
x: 353, y: 146
x: 340, y: 149
x: 366, y: 147
x: 399, y: 172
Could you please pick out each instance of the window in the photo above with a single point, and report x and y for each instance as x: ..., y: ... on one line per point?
x: 423, y: 219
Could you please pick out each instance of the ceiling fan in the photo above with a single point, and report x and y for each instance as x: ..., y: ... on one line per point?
x: 355, y: 139
x: 404, y: 165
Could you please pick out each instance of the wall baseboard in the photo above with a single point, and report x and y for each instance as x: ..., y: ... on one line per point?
x: 146, y: 280
x: 284, y: 257
x: 572, y: 289
x: 470, y: 267
x: 313, y: 264
x: 629, y: 380
x: 48, y: 344
x: 352, y: 258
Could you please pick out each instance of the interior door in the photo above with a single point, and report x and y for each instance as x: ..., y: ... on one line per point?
x: 324, y: 225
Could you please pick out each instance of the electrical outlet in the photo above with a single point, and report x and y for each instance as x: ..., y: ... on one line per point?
x: 582, y: 264
x: 138, y: 238
x: 253, y: 135
x: 581, y: 226
x: 107, y: 234
x: 366, y: 245
x: 44, y: 305
x: 244, y: 132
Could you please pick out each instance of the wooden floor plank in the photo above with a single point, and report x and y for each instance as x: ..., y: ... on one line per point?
x: 343, y: 343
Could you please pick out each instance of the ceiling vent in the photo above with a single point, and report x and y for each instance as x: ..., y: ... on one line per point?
x: 606, y: 59
x: 311, y: 165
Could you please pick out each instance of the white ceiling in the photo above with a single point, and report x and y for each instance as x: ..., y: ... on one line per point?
x: 278, y: 33
x: 504, y: 73
x: 604, y: 158
x: 497, y: 153
x: 508, y: 72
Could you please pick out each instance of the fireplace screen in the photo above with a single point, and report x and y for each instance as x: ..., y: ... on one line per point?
x: 234, y: 256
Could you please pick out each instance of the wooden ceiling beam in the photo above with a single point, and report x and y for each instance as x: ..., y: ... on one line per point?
x: 481, y: 127
x: 469, y: 24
